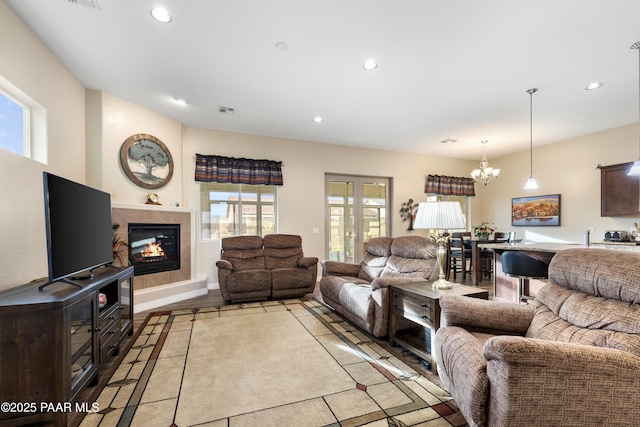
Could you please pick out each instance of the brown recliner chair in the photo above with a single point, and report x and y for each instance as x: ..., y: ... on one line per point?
x: 572, y: 358
x: 256, y: 268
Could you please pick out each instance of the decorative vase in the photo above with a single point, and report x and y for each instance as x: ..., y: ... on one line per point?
x: 411, y: 223
x: 483, y: 236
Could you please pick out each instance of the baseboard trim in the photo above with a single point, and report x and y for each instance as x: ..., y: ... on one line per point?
x: 158, y: 296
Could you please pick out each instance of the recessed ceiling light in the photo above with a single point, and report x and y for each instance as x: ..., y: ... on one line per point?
x: 370, y: 64
x: 161, y: 15
x: 181, y: 102
x: 593, y: 86
x: 317, y: 119
x: 283, y: 46
x: 444, y: 141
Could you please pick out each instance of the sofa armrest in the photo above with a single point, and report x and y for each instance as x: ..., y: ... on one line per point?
x: 337, y: 268
x: 479, y: 315
x: 385, y: 282
x: 575, y: 384
x: 224, y: 264
x: 556, y: 355
x: 306, y: 262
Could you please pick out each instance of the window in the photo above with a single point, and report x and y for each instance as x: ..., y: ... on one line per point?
x: 237, y: 209
x: 23, y: 123
x: 14, y: 119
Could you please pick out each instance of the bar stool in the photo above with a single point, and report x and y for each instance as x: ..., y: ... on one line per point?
x: 523, y: 267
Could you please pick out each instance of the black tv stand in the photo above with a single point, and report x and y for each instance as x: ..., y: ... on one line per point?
x: 46, y: 336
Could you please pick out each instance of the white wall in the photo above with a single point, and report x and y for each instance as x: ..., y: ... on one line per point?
x: 27, y: 64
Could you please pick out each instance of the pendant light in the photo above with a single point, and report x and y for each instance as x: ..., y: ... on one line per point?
x: 635, y: 169
x: 531, y: 182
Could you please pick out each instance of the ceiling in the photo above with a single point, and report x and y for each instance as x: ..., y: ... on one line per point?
x: 446, y: 69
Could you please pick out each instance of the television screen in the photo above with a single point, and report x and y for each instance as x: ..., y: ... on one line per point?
x: 79, y: 229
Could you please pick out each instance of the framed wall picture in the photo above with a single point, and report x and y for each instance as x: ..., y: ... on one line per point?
x: 146, y: 161
x: 536, y: 211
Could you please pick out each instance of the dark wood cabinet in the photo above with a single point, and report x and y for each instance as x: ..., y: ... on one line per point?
x: 55, y: 342
x: 619, y: 193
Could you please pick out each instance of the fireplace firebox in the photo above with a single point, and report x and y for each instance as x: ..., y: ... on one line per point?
x: 154, y: 248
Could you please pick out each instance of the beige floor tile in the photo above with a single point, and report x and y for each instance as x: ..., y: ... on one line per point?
x: 422, y: 393
x: 314, y: 326
x: 365, y: 374
x: 175, y: 344
x: 275, y: 362
x: 351, y: 404
x: 387, y: 395
x: 208, y: 315
x: 310, y: 413
x: 242, y: 312
x: 165, y: 380
x: 421, y: 415
x: 275, y: 307
x: 438, y: 392
x: 154, y: 414
x: 123, y: 395
x: 344, y: 354
x: 379, y: 423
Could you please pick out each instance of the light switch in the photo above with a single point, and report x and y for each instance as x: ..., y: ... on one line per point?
x: 316, y: 230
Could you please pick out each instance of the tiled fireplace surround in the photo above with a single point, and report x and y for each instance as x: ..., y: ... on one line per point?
x: 156, y: 289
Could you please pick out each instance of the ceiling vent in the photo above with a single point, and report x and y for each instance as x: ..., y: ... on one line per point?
x: 226, y: 110
x: 89, y: 3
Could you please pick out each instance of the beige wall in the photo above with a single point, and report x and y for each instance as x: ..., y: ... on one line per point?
x: 116, y: 120
x: 301, y: 199
x: 568, y: 168
x: 27, y: 64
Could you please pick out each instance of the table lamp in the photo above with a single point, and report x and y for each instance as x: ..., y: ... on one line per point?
x: 440, y: 216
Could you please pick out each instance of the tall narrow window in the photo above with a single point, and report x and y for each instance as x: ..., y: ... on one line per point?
x: 237, y: 209
x: 14, y: 119
x: 23, y: 123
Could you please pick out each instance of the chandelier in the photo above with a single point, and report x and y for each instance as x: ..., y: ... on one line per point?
x: 485, y: 173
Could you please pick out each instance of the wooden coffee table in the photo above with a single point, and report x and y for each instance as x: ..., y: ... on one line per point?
x: 420, y: 303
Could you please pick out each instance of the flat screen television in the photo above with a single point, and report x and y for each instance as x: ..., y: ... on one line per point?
x: 79, y: 229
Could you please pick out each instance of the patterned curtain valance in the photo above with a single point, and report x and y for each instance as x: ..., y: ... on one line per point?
x: 238, y: 171
x: 449, y: 185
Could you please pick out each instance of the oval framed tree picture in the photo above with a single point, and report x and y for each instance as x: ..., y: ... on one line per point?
x: 146, y: 161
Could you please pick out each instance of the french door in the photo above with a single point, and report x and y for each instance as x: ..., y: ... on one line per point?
x: 356, y: 210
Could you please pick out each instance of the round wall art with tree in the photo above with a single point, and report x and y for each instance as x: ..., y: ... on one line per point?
x: 146, y: 161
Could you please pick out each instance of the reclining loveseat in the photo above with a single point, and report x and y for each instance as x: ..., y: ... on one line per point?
x: 257, y: 268
x: 360, y: 292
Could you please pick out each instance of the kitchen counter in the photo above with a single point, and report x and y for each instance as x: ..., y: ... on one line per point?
x: 505, y: 286
x: 556, y: 247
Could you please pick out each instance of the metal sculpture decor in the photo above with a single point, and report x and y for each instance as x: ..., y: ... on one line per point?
x: 146, y: 161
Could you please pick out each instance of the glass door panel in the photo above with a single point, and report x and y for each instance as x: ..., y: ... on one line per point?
x: 357, y: 211
x: 341, y: 221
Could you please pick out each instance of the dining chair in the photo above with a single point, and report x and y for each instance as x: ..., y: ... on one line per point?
x: 460, y: 260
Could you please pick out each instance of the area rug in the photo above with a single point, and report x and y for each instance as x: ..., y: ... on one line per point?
x: 278, y: 363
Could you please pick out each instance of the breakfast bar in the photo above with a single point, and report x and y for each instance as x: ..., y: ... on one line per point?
x: 505, y: 288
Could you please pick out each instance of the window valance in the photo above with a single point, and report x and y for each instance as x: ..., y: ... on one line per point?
x: 449, y: 185
x: 238, y: 171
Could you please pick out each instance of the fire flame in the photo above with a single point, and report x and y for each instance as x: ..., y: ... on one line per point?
x: 152, y: 250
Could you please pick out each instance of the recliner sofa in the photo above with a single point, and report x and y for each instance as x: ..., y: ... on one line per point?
x: 257, y: 268
x: 360, y: 292
x: 571, y: 358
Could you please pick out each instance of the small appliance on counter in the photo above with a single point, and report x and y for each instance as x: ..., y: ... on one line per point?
x: 617, y: 236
